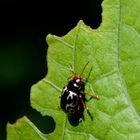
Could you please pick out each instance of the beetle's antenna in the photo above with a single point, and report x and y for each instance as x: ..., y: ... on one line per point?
x: 72, y: 71
x: 86, y: 80
x: 84, y: 68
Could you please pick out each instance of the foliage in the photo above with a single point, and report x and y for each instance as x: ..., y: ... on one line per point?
x: 113, y: 52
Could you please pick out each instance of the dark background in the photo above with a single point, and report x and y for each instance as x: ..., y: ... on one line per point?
x: 23, y: 29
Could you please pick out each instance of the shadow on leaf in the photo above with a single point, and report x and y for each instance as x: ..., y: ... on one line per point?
x: 16, y: 106
x: 45, y: 124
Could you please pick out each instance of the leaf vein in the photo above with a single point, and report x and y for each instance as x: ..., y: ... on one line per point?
x: 56, y: 62
x: 35, y: 128
x: 52, y: 84
x: 64, y: 42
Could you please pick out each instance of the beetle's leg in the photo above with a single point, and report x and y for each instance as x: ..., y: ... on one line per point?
x: 93, y: 96
x: 82, y: 101
x: 84, y: 104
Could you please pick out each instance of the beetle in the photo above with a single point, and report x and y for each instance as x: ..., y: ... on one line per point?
x: 73, y: 96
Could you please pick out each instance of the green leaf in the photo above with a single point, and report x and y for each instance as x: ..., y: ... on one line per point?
x: 113, y: 51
